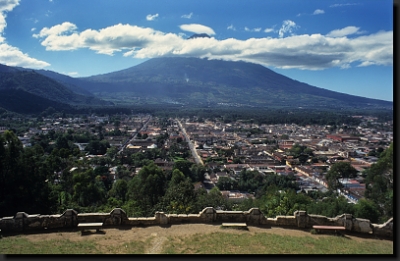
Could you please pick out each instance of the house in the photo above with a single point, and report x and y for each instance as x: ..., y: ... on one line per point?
x: 235, y: 195
x: 286, y: 144
x: 236, y: 168
x: 221, y: 174
x: 342, y: 138
x: 278, y: 156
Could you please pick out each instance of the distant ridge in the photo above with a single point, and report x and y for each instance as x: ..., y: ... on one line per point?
x: 27, y: 91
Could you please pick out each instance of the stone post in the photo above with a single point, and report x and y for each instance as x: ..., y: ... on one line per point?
x: 208, y: 215
x: 19, y: 221
x: 161, y: 218
x: 70, y: 218
x: 254, y: 216
x: 301, y: 218
x: 118, y: 216
x: 348, y: 221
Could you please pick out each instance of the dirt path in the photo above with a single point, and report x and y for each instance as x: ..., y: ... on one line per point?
x: 157, y: 244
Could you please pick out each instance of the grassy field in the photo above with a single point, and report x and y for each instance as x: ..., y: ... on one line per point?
x: 22, y: 245
x: 217, y: 242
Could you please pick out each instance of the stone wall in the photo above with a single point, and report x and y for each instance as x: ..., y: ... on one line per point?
x: 23, y: 222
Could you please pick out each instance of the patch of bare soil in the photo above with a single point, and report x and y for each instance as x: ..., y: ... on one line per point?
x: 157, y: 235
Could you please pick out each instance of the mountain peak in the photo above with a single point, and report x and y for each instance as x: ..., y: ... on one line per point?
x: 190, y: 80
x: 199, y: 36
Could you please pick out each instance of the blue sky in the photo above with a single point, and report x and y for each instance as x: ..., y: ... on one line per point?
x: 340, y: 45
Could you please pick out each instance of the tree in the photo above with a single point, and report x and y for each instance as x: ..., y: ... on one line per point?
x: 184, y: 166
x: 24, y: 178
x: 284, y: 136
x: 97, y: 147
x: 119, y: 190
x: 213, y: 199
x: 147, y: 188
x: 10, y: 151
x: 88, y: 189
x: 331, y: 206
x: 226, y: 183
x: 379, y: 183
x: 367, y: 209
x: 341, y: 170
x: 250, y: 181
x: 179, y: 197
x: 197, y: 172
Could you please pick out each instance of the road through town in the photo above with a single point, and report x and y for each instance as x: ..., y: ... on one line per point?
x: 196, y: 156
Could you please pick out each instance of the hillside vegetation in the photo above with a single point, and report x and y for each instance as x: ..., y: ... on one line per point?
x: 26, y: 91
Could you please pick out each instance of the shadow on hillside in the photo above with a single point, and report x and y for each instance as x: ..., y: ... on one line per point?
x: 367, y: 236
x: 91, y: 232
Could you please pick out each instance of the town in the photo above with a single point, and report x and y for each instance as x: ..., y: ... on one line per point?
x: 226, y: 149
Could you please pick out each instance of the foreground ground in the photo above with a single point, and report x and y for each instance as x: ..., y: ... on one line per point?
x: 190, y: 239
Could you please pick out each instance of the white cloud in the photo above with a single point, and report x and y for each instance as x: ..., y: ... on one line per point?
x: 73, y: 73
x: 343, y: 32
x: 5, y: 6
x: 318, y: 11
x: 56, y: 30
x: 252, y: 30
x: 33, y: 29
x: 10, y: 55
x: 231, y: 27
x: 346, y: 4
x: 8, y: 5
x: 312, y: 52
x: 150, y: 17
x: 268, y: 30
x: 197, y: 28
x: 187, y: 16
x: 287, y: 27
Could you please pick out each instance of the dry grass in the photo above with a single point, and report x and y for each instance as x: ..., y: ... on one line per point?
x: 192, y: 239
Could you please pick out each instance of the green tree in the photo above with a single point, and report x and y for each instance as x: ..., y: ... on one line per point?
x: 250, y: 181
x: 88, y: 189
x: 147, y: 188
x: 119, y: 190
x: 226, y: 183
x: 340, y: 170
x: 367, y: 209
x: 184, y: 166
x: 379, y: 183
x: 197, y: 172
x: 24, y: 178
x: 213, y: 199
x: 179, y: 197
x: 331, y: 206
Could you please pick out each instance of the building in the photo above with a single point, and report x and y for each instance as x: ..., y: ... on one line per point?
x: 342, y: 138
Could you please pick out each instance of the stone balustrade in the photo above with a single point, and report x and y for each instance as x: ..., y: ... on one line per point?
x: 22, y: 221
